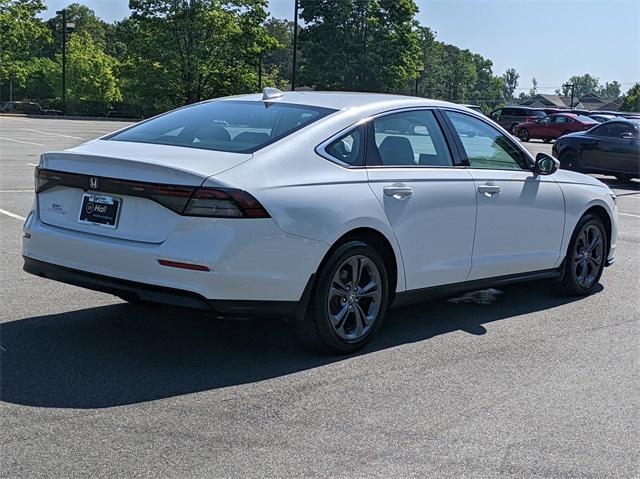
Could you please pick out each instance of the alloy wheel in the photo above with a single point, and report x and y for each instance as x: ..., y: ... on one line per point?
x: 354, y: 298
x: 588, y: 255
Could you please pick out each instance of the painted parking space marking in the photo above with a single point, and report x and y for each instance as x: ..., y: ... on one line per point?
x: 24, y: 142
x: 12, y: 215
x: 53, y: 134
x: 629, y: 214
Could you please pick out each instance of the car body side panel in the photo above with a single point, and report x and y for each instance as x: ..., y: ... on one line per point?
x: 581, y: 193
x: 313, y: 198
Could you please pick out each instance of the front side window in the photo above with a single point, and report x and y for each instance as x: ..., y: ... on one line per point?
x: 484, y: 146
x: 411, y: 138
x: 232, y: 126
x: 349, y: 148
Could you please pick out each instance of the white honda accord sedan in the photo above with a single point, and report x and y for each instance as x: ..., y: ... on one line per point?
x: 324, y: 208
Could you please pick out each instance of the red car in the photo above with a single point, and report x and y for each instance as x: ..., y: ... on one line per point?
x: 554, y: 126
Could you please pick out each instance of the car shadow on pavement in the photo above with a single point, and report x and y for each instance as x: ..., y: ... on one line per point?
x: 124, y: 354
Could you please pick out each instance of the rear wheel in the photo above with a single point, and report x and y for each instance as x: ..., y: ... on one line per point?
x: 523, y: 134
x: 349, y: 301
x: 585, y: 259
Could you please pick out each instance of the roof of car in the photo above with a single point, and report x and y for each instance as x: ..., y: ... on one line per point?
x: 343, y: 100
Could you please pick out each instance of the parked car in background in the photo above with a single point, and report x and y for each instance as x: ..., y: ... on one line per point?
x: 474, y: 108
x: 510, y: 116
x: 326, y: 208
x: 600, y: 118
x: 27, y: 107
x: 551, y: 111
x: 610, y: 148
x: 553, y: 126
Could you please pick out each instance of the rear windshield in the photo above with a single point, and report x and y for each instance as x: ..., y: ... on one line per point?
x: 233, y: 126
x: 585, y: 119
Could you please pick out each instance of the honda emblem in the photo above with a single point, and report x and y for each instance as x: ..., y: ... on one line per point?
x: 93, y: 183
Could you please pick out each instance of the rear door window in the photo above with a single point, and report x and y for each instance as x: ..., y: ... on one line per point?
x: 411, y: 138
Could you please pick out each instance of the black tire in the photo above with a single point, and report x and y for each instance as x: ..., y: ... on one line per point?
x: 523, y: 134
x: 316, y: 330
x: 570, y: 284
x: 569, y: 160
x: 512, y: 128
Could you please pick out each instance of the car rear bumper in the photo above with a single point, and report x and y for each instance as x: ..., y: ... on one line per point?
x: 247, y: 260
x: 132, y: 291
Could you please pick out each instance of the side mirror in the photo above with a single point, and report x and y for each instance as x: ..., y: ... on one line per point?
x: 545, y: 164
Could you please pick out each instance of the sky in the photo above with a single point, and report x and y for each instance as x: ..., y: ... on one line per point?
x: 549, y: 40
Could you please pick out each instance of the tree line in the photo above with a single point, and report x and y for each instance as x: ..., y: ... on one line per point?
x: 168, y: 53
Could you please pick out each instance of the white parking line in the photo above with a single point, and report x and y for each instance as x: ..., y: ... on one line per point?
x: 17, y: 191
x: 54, y: 134
x: 12, y: 215
x: 25, y: 142
x: 31, y: 164
x: 629, y: 214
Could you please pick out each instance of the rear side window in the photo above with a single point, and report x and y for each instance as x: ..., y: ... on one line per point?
x: 233, y: 126
x: 349, y: 148
x: 411, y: 138
x: 484, y: 146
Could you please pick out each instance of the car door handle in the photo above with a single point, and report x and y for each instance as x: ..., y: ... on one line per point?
x: 398, y: 191
x: 489, y: 189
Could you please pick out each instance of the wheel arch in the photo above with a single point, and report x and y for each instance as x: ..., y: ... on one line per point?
x: 596, y: 209
x: 379, y: 241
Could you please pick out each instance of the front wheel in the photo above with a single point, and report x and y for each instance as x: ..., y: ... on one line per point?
x: 349, y: 301
x: 523, y: 134
x: 585, y: 258
x: 568, y: 160
x: 512, y: 129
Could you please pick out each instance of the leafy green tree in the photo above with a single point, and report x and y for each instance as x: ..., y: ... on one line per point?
x: 610, y: 91
x: 22, y: 35
x: 183, y: 51
x: 631, y: 100
x: 583, y: 85
x: 84, y: 21
x: 533, y: 91
x: 277, y: 63
x: 510, y: 80
x: 358, y: 44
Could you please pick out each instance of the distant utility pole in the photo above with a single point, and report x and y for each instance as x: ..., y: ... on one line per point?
x: 63, y: 12
x: 295, y: 45
x: 567, y: 85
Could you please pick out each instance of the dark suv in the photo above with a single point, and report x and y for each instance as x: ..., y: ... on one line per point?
x: 509, y: 116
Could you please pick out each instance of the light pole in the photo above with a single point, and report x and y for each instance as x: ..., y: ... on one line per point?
x: 63, y: 12
x: 295, y: 45
x: 567, y: 85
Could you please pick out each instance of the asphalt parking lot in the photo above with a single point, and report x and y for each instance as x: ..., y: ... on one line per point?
x: 518, y: 383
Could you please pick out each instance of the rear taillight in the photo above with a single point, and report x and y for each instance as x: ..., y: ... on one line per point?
x: 224, y: 203
x: 184, y: 200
